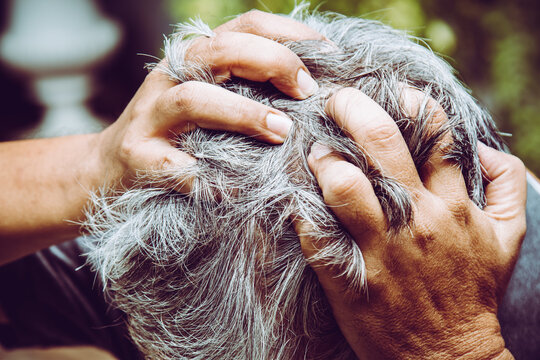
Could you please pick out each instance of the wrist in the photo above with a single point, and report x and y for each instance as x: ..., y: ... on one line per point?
x: 107, y: 167
x: 492, y: 348
x: 478, y: 339
x: 472, y: 340
x: 94, y: 169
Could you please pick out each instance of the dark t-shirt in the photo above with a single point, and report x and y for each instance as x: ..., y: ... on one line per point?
x: 519, y: 313
x: 51, y: 299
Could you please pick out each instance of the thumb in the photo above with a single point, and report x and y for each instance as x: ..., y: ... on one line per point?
x: 506, y: 193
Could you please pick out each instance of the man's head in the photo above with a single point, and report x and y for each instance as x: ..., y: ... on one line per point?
x: 218, y: 272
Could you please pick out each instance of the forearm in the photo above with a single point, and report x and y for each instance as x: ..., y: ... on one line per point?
x: 44, y: 186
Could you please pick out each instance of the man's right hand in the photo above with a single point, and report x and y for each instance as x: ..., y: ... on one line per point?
x: 433, y: 289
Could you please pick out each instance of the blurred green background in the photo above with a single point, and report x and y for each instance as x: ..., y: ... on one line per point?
x: 493, y: 44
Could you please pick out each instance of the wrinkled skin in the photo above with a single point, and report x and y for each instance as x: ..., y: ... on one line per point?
x: 433, y: 292
x: 46, y: 183
x: 433, y: 289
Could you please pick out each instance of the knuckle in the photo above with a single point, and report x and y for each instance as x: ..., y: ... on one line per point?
x: 219, y: 42
x: 434, y: 106
x: 341, y: 100
x: 251, y: 17
x: 436, y: 113
x: 418, y: 103
x: 139, y: 109
x: 341, y: 189
x: 347, y: 94
x: 423, y: 230
x: 382, y: 133
x: 426, y: 215
x: 461, y: 211
x: 184, y: 96
x: 243, y: 115
x: 143, y: 103
x: 280, y: 67
x: 128, y: 147
x: 410, y: 99
x: 197, y: 49
x: 433, y: 214
x: 163, y: 162
x: 516, y: 165
x: 511, y: 167
x: 286, y: 60
x: 155, y: 74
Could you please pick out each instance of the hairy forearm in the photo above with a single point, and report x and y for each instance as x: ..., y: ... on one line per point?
x: 44, y: 184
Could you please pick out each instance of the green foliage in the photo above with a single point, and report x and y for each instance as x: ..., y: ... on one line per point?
x: 213, y: 12
x: 493, y: 44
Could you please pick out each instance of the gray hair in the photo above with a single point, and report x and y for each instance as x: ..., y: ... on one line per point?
x: 218, y: 273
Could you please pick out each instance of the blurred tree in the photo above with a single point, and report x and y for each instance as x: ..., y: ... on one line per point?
x: 498, y: 56
x: 494, y: 45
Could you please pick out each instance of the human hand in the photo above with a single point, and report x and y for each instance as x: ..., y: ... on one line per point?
x: 433, y: 289
x: 140, y: 140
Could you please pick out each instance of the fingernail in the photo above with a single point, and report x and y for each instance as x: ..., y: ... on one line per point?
x: 319, y: 150
x: 279, y: 125
x: 306, y: 84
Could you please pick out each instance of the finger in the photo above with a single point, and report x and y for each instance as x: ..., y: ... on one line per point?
x: 193, y: 103
x: 158, y: 80
x: 506, y: 194
x: 270, y: 26
x: 309, y: 243
x: 155, y: 83
x: 157, y: 157
x: 255, y: 58
x: 375, y: 133
x: 328, y: 275
x: 348, y: 193
x: 439, y: 175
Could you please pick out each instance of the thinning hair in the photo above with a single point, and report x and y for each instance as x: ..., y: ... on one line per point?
x: 218, y: 273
